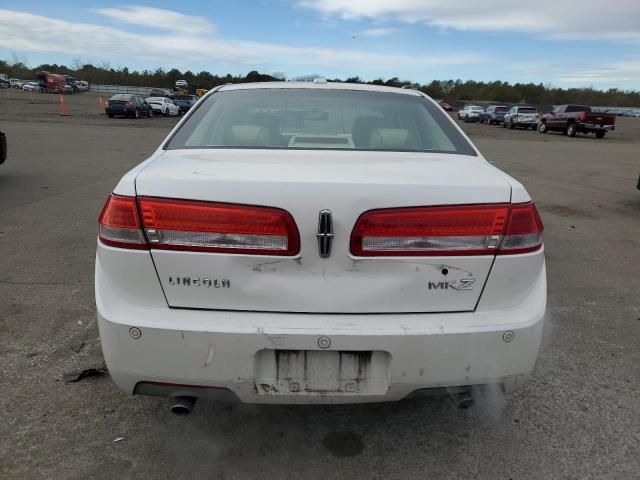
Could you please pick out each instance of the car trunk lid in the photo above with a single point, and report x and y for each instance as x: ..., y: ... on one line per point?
x: 304, y: 183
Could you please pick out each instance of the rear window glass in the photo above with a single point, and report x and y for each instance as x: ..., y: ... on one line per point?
x: 577, y: 108
x: 527, y: 110
x: 320, y: 119
x: 121, y: 96
x: 501, y: 109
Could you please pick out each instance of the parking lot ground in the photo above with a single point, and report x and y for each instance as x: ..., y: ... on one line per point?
x: 578, y: 417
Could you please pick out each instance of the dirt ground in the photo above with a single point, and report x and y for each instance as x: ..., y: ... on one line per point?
x: 578, y: 418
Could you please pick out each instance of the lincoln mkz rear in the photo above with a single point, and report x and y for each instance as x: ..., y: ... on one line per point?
x: 318, y: 243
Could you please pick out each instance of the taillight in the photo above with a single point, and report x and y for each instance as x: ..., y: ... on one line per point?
x: 450, y: 230
x: 119, y: 223
x: 582, y: 117
x: 128, y: 104
x: 197, y: 226
x: 218, y: 227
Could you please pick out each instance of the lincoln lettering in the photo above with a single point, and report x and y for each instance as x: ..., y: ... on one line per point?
x: 200, y: 282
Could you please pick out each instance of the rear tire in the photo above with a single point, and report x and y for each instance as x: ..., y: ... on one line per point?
x: 149, y: 113
x: 600, y: 134
x: 166, y: 112
x: 136, y: 114
x: 542, y: 127
x: 512, y: 125
x: 572, y: 130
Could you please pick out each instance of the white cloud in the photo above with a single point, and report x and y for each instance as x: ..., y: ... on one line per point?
x: 615, y: 72
x: 377, y: 32
x: 158, y: 18
x: 563, y: 19
x: 27, y: 32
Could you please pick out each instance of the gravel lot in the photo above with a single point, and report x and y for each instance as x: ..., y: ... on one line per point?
x: 578, y: 418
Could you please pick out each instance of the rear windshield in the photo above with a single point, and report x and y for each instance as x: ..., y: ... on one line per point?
x: 121, y: 96
x: 527, y: 110
x: 320, y: 119
x: 501, y: 109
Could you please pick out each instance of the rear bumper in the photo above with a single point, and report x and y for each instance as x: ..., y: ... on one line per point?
x: 590, y: 127
x: 120, y: 111
x: 217, y: 354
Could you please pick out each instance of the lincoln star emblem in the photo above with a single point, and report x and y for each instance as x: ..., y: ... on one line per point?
x: 325, y: 233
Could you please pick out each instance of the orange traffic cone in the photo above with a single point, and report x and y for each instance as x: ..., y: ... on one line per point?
x: 101, y: 106
x: 63, y: 112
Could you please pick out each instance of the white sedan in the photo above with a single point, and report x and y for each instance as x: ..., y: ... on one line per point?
x: 163, y: 106
x: 318, y: 243
x: 31, y: 86
x: 470, y: 112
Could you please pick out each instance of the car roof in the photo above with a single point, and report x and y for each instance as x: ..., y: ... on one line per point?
x: 318, y: 86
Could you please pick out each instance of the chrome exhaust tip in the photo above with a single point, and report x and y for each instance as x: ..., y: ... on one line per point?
x: 462, y: 397
x: 182, y: 405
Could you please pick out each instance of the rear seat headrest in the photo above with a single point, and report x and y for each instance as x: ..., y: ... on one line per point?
x: 388, y: 138
x: 250, y: 136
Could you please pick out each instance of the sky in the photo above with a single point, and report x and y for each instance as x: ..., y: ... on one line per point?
x: 564, y: 43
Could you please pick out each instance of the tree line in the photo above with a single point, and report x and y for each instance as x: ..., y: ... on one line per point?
x: 449, y: 90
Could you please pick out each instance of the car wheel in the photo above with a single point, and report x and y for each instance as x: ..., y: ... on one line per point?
x: 166, y: 112
x: 110, y: 115
x: 504, y: 124
x: 150, y: 113
x: 136, y: 114
x: 512, y: 125
x: 600, y: 134
x: 542, y: 127
x: 572, y: 130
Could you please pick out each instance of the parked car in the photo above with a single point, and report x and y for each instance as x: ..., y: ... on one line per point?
x: 520, y: 116
x: 470, y: 113
x: 572, y: 119
x: 31, y: 87
x: 272, y: 253
x: 493, y: 114
x: 161, y: 92
x: 185, y: 102
x: 71, y: 81
x: 15, y: 83
x: 3, y: 147
x: 127, y: 105
x: 181, y: 84
x: 446, y: 107
x: 163, y: 106
x: 4, y: 83
x: 81, y: 85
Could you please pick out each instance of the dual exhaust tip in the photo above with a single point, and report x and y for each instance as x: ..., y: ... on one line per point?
x: 183, y: 406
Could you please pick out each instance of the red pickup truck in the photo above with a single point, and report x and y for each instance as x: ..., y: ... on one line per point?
x: 572, y: 119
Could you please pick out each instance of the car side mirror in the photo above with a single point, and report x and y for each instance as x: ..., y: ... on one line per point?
x: 3, y: 147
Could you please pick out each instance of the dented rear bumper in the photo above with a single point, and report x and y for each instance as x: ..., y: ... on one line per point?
x: 291, y: 358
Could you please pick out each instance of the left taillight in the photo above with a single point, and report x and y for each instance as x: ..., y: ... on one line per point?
x: 119, y: 223
x: 196, y: 226
x: 188, y: 225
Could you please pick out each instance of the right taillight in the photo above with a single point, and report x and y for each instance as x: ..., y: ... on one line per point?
x: 448, y: 230
x: 523, y: 232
